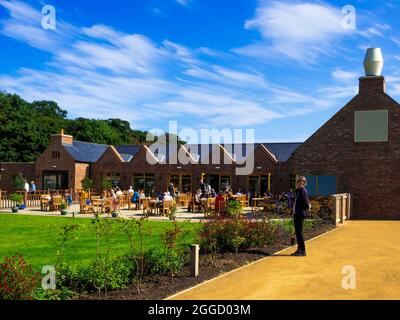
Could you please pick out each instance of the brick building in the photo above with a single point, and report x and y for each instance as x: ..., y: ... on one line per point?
x: 357, y: 151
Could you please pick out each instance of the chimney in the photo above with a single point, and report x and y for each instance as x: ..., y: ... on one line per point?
x: 373, y: 81
x: 61, y: 138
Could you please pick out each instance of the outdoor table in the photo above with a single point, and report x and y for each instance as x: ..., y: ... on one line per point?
x: 153, y: 205
x: 98, y: 205
x: 256, y: 203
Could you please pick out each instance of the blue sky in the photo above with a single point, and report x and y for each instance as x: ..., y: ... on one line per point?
x: 282, y: 68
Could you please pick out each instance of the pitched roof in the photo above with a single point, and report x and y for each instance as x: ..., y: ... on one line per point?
x: 282, y: 150
x: 91, y: 152
x: 131, y: 150
x: 85, y: 151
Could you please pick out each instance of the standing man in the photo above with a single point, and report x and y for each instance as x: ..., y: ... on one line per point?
x: 301, y: 208
x: 26, y: 186
x: 171, y: 190
x: 33, y: 187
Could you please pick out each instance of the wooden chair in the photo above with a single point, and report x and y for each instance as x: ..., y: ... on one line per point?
x: 44, y: 203
x: 243, y: 200
x: 145, y: 205
x: 56, y: 203
x: 167, y: 205
x: 223, y: 207
x: 108, y: 206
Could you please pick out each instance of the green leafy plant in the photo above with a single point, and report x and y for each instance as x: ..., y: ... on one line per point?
x: 160, y: 261
x: 19, y: 199
x: 87, y: 184
x: 137, y: 254
x: 170, y: 239
x: 18, y: 182
x: 106, y: 184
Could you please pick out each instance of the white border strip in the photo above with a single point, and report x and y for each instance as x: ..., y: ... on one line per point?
x: 246, y: 266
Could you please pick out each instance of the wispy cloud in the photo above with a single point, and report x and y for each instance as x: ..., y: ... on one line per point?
x: 184, y: 3
x: 104, y: 72
x: 299, y: 31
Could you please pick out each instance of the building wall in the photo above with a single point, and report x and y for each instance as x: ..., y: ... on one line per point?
x: 10, y: 170
x: 81, y: 171
x: 46, y: 162
x: 368, y: 170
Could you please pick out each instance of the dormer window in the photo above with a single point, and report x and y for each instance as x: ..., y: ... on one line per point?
x: 371, y: 126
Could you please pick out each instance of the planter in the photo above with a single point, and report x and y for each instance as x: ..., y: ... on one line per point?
x: 14, y: 210
x: 115, y: 214
x: 63, y: 212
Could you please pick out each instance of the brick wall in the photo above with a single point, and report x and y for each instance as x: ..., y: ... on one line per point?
x: 46, y: 162
x: 10, y: 170
x: 369, y: 171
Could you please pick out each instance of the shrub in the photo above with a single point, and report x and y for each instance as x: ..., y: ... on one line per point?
x: 106, y: 184
x: 18, y: 280
x: 19, y: 199
x: 18, y: 182
x: 87, y: 184
x: 160, y: 261
x: 97, y: 275
x: 220, y: 235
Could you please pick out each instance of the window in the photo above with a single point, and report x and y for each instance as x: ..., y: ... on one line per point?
x: 182, y: 182
x: 320, y: 186
x: 371, y: 126
x: 144, y: 182
x: 260, y: 184
x: 219, y: 182
x: 57, y: 180
x: 115, y: 178
x: 56, y: 154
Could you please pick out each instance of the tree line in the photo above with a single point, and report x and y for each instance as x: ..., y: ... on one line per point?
x: 25, y: 128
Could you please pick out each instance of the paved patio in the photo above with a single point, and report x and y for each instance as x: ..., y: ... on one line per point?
x: 371, y: 247
x: 181, y: 215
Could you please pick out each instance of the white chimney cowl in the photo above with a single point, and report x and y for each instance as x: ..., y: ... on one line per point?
x: 373, y: 62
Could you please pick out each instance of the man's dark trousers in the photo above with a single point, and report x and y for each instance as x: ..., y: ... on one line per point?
x: 298, y: 227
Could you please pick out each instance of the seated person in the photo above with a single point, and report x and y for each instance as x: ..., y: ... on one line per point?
x: 197, y: 200
x: 135, y: 197
x: 168, y: 197
x: 220, y: 198
x: 119, y: 193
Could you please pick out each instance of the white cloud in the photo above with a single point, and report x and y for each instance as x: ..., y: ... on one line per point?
x: 300, y: 31
x: 102, y: 72
x: 344, y: 75
x: 184, y: 3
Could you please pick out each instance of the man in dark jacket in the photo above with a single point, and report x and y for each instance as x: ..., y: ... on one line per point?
x: 300, y: 212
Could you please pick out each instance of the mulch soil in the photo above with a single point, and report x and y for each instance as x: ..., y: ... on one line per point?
x: 157, y: 287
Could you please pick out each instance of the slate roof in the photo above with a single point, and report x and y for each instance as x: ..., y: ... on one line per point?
x: 131, y: 150
x: 91, y: 152
x: 85, y: 151
x: 283, y: 150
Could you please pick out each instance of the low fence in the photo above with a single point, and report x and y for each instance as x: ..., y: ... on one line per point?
x: 335, y: 209
x: 5, y: 201
x: 32, y: 200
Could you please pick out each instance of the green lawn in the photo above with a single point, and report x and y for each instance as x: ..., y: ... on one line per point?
x: 36, y: 238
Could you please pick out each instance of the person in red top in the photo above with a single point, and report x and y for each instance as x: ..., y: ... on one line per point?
x: 220, y: 198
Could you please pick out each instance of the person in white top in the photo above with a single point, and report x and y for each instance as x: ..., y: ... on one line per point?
x: 131, y: 190
x: 26, y: 186
x: 167, y: 197
x: 119, y: 193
